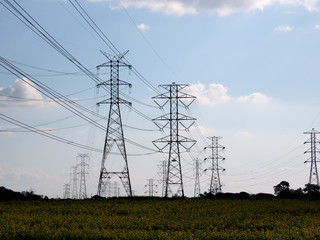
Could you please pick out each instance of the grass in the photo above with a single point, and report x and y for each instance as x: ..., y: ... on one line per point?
x: 160, y: 219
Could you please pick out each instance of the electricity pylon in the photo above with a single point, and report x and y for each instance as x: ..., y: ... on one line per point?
x: 215, y: 183
x: 82, y: 165
x: 66, y: 191
x: 151, y: 188
x: 116, y: 189
x: 313, y: 150
x: 174, y: 119
x: 197, y: 180
x: 74, y: 181
x: 163, y: 175
x: 108, y: 190
x: 114, y: 134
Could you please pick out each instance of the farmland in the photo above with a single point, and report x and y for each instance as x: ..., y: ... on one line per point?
x: 160, y: 219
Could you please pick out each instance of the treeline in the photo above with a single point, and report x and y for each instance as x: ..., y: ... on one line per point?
x: 240, y: 196
x: 281, y: 191
x: 8, y: 194
x: 310, y: 191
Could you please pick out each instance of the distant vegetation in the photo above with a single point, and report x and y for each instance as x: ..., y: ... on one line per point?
x: 283, y: 215
x: 220, y: 216
x: 156, y: 218
x: 309, y: 192
x: 281, y: 191
x: 7, y: 194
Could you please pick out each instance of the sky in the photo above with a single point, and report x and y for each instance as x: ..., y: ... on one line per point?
x: 253, y: 66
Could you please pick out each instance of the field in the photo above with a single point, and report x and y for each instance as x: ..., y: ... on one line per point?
x: 160, y: 219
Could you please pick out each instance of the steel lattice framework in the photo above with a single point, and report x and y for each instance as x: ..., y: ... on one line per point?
x: 174, y: 97
x: 114, y: 134
x: 74, y: 181
x: 66, y: 191
x: 197, y: 179
x: 151, y: 188
x: 162, y: 174
x: 82, y: 166
x: 313, y: 150
x: 215, y: 183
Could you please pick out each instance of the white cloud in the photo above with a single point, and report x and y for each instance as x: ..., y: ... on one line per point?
x: 219, y: 7
x: 310, y: 5
x: 143, y: 27
x: 203, y: 130
x: 283, y: 28
x: 177, y: 7
x: 212, y: 95
x: 243, y: 134
x: 22, y: 179
x: 20, y: 94
x: 255, y: 98
x: 317, y: 26
x: 216, y: 93
x: 228, y: 7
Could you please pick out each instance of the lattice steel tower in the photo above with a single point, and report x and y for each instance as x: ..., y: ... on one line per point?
x: 74, y: 181
x: 215, y: 183
x: 82, y: 166
x: 197, y: 179
x: 66, y: 191
x: 114, y: 135
x: 151, y: 188
x: 313, y: 150
x: 163, y: 176
x: 175, y: 98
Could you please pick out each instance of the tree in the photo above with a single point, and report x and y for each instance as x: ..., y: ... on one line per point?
x: 282, y: 189
x: 312, y: 191
x: 311, y: 188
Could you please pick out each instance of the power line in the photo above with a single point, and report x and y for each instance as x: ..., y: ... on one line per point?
x: 107, y: 41
x: 57, y: 73
x: 40, y: 99
x: 55, y: 96
x: 42, y: 33
x: 149, y: 44
x: 34, y: 26
x: 54, y: 137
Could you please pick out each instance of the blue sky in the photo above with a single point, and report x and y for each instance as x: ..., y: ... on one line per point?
x: 253, y: 66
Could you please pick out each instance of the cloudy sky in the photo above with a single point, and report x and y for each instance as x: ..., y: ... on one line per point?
x: 253, y: 66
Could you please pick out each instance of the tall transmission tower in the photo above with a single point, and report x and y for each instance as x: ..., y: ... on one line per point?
x: 215, y: 183
x: 66, y: 191
x: 175, y: 98
x: 151, y: 188
x: 74, y: 180
x: 313, y: 150
x: 82, y: 165
x: 114, y: 134
x: 197, y: 180
x: 108, y: 192
x: 163, y: 176
x: 116, y: 189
